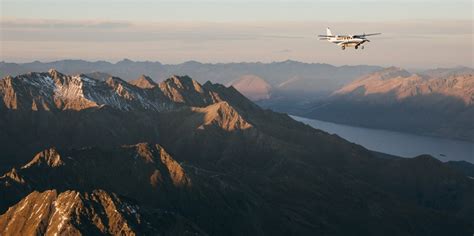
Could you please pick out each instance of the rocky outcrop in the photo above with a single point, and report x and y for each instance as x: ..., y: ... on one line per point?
x: 46, y: 158
x: 184, y: 90
x: 71, y: 213
x: 97, y: 212
x: 221, y: 115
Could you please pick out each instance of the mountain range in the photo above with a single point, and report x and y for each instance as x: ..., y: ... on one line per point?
x: 88, y: 156
x: 436, y: 103
x: 291, y: 76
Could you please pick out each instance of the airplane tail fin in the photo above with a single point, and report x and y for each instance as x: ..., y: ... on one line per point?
x: 328, y: 31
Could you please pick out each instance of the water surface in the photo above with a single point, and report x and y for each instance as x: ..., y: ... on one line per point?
x: 397, y: 143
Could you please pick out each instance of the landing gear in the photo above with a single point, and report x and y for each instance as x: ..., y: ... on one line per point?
x: 343, y: 47
x: 356, y: 47
x: 362, y: 47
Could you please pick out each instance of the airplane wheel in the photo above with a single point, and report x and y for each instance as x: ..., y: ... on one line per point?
x: 356, y: 47
x: 343, y: 47
x: 362, y: 47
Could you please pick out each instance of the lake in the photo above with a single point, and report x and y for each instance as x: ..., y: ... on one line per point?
x: 397, y: 143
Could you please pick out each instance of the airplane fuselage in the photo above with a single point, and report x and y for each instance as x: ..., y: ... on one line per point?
x: 345, y: 41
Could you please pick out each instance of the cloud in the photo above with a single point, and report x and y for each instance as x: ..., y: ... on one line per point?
x: 59, y: 24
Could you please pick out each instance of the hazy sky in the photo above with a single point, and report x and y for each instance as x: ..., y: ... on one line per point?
x: 416, y: 33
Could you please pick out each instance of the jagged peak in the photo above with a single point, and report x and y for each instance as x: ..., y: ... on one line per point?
x: 51, y: 212
x: 144, y: 82
x: 53, y: 71
x: 184, y: 82
x: 121, y: 87
x: 115, y: 80
x: 207, y: 84
x: 55, y: 75
x: 157, y: 154
x: 42, y: 80
x: 146, y: 77
x: 47, y: 158
x: 183, y: 89
x: 224, y: 116
x: 13, y: 175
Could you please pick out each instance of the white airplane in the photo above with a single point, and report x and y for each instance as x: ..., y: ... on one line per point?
x: 346, y: 40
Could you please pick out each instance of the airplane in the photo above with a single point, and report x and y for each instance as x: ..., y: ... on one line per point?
x: 346, y: 40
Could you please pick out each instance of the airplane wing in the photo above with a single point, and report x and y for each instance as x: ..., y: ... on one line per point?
x: 372, y: 34
x: 333, y: 36
x: 365, y: 35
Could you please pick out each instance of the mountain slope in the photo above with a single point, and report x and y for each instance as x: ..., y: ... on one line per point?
x: 395, y: 99
x: 85, y: 213
x: 401, y: 85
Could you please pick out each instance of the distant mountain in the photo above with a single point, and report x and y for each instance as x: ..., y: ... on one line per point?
x: 445, y: 72
x: 89, y: 156
x: 397, y: 84
x: 310, y: 77
x: 440, y: 104
x: 253, y: 87
x: 98, y: 75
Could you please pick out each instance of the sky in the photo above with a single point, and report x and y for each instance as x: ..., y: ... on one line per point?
x: 415, y: 33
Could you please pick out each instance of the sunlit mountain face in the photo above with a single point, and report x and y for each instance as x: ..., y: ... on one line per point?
x: 435, y: 103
